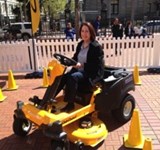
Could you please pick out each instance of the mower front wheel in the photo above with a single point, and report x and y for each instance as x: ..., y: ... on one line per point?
x: 125, y: 111
x: 21, y: 127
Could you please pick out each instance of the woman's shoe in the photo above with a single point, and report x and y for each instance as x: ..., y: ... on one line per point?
x: 68, y: 107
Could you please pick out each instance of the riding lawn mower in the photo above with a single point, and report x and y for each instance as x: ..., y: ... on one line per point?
x: 81, y: 126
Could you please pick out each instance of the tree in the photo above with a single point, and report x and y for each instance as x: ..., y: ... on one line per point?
x: 23, y: 8
x: 54, y: 7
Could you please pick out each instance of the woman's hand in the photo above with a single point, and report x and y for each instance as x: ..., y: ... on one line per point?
x: 78, y: 65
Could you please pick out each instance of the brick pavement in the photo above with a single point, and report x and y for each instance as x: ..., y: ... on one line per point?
x: 147, y: 101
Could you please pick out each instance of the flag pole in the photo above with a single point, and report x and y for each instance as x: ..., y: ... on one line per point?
x: 35, y: 19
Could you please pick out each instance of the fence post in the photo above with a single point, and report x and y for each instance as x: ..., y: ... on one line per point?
x: 156, y: 48
x: 33, y: 53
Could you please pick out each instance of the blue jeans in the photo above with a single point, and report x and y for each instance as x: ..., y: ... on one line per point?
x: 71, y: 81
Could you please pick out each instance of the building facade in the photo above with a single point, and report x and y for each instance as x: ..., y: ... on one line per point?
x: 6, y: 7
x: 108, y: 9
x: 123, y: 9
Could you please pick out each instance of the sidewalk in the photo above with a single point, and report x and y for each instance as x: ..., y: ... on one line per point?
x: 147, y: 101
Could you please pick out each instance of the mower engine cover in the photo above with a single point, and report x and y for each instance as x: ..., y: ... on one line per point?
x: 114, y: 89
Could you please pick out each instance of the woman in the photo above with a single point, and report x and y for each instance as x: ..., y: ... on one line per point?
x: 90, y: 65
x: 129, y: 31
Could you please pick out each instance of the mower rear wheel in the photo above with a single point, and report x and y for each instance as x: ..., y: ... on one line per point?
x: 125, y: 111
x: 21, y: 127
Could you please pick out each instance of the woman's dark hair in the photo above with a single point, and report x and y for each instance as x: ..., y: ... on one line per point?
x: 91, y: 30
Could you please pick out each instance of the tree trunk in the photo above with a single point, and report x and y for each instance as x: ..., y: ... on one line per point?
x: 77, y: 18
x: 25, y: 11
x: 6, y: 9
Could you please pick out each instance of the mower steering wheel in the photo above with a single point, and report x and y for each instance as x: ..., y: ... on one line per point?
x: 65, y: 60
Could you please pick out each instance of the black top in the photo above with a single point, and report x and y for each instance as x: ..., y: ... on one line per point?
x: 127, y: 31
x: 117, y: 31
x: 94, y: 66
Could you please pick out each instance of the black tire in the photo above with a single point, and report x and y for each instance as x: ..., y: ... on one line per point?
x: 21, y: 127
x: 125, y: 111
x: 79, y: 146
x: 58, y: 145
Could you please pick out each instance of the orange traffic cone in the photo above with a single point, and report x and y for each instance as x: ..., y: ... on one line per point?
x: 134, y: 139
x: 11, y: 82
x: 148, y: 144
x: 45, y: 78
x: 137, y: 80
x: 2, y: 97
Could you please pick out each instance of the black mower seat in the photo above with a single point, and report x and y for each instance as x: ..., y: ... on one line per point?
x: 84, y: 93
x: 85, y: 87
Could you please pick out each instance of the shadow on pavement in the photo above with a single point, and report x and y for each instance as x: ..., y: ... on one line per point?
x: 35, y: 140
x: 2, y: 84
x: 110, y: 122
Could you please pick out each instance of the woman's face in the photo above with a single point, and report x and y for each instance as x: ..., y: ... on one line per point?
x: 85, y: 34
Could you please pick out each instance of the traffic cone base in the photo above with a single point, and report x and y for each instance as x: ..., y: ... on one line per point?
x: 12, y: 88
x: 148, y: 144
x: 137, y: 80
x: 130, y: 145
x: 2, y: 97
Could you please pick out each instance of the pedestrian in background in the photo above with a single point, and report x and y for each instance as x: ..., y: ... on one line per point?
x: 137, y: 30
x: 97, y: 24
x: 69, y: 31
x: 129, y: 31
x: 117, y: 31
x: 117, y: 28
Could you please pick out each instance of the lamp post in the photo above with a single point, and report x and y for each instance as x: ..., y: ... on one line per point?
x: 81, y: 10
x: 67, y: 11
x: 6, y: 9
x: 103, y: 12
x: 77, y: 17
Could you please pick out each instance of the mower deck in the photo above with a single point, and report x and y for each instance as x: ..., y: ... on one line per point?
x: 40, y: 116
x: 89, y: 136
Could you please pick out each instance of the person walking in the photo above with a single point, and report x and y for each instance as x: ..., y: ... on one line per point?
x: 117, y: 32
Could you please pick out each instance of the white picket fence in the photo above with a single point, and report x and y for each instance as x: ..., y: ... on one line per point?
x: 33, y: 55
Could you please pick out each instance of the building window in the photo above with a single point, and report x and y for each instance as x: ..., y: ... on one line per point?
x: 114, y: 7
x: 3, y: 8
x: 10, y: 9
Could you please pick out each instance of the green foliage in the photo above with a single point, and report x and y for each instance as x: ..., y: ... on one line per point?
x: 23, y: 6
x: 72, y: 5
x: 54, y: 6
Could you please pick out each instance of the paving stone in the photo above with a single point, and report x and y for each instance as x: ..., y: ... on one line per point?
x: 147, y: 101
